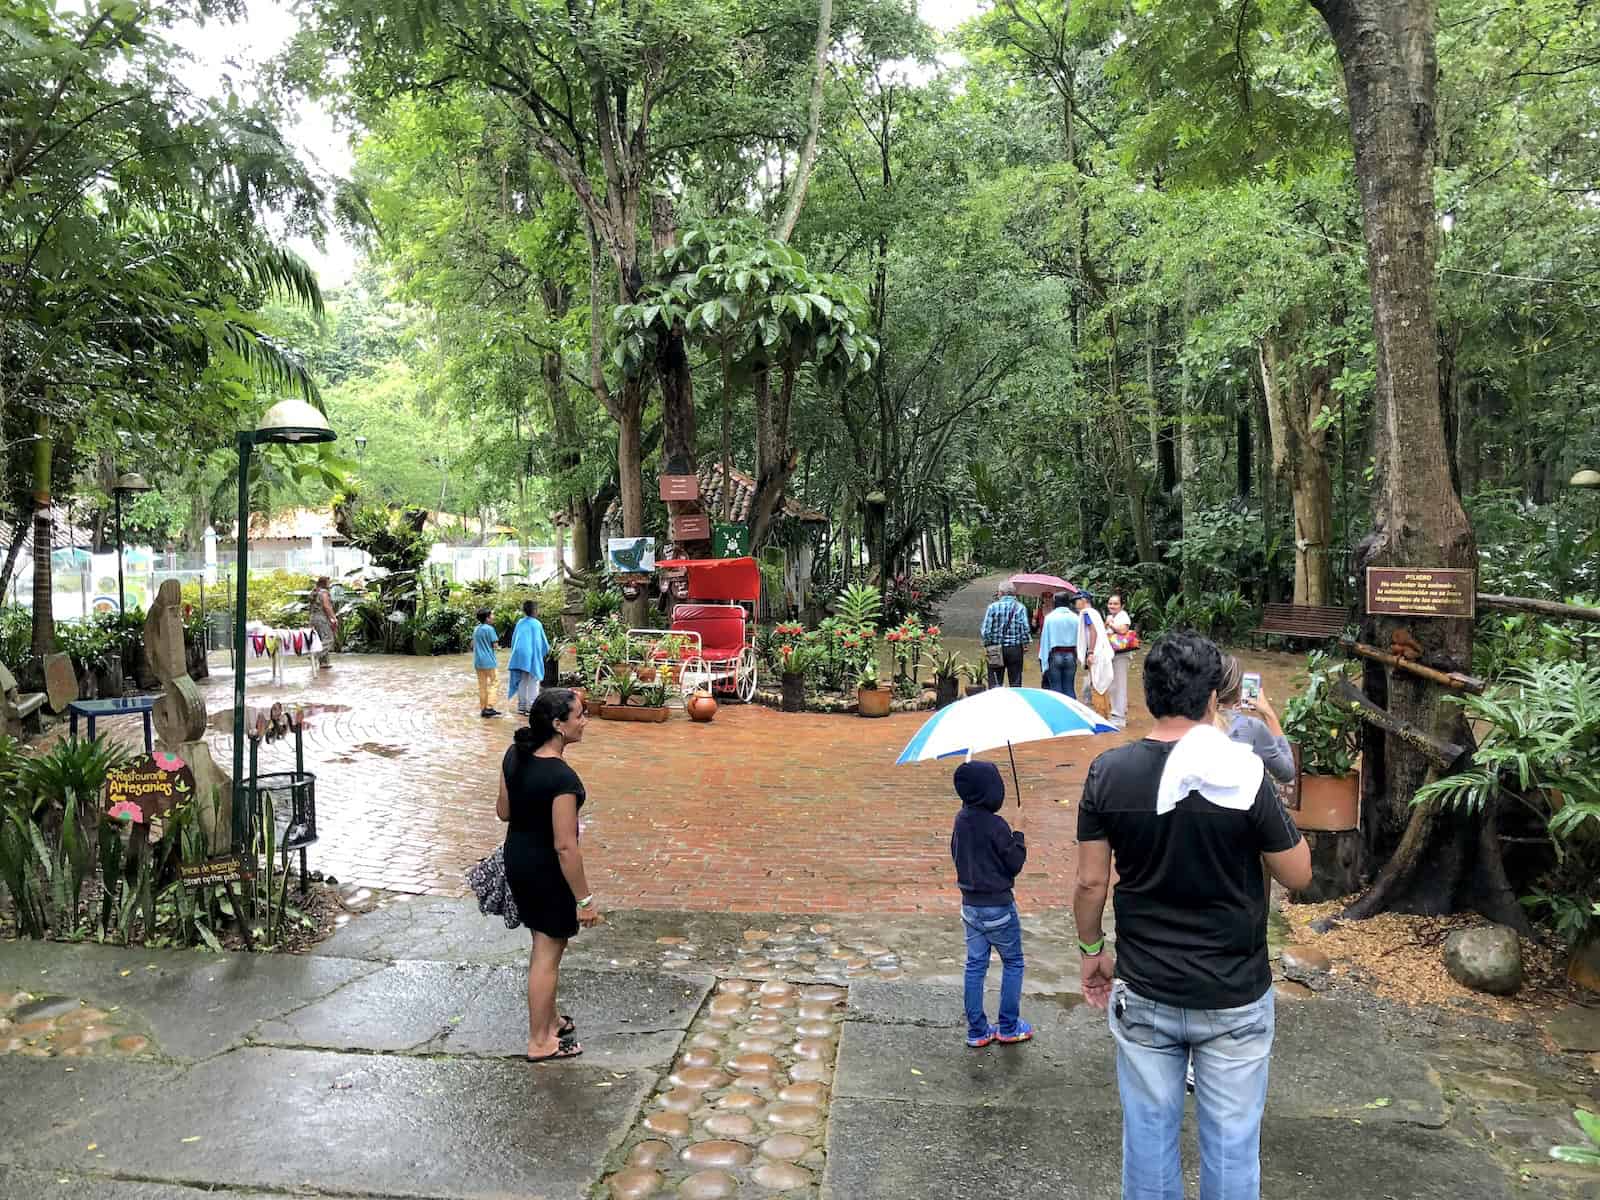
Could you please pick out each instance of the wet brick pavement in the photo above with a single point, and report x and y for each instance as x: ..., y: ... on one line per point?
x: 759, y: 811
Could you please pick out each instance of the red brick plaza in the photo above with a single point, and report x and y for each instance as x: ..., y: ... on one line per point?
x: 759, y: 811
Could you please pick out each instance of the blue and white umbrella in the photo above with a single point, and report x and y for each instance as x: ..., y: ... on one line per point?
x: 1001, y: 717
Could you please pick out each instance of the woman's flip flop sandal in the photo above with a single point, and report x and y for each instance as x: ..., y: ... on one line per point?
x: 567, y: 1028
x: 565, y: 1048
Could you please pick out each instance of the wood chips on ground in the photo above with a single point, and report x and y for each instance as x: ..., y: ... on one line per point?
x: 1401, y: 957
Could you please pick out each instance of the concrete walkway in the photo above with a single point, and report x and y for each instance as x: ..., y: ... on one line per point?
x: 719, y: 1062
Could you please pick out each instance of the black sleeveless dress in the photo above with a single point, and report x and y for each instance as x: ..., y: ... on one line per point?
x: 533, y: 869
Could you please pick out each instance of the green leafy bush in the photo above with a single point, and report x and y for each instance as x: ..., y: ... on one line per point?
x: 1542, y: 734
x: 1327, y: 732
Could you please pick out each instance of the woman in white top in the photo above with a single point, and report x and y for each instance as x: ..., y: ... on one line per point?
x: 1118, y: 622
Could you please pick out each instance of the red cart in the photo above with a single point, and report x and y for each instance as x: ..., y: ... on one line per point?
x: 714, y: 620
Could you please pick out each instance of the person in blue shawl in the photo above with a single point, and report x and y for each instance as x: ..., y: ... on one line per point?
x: 529, y: 649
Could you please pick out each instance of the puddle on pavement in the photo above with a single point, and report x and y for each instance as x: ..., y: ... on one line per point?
x: 382, y: 750
x: 223, y: 718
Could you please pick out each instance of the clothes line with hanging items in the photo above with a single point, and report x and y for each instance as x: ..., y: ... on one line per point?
x: 263, y: 641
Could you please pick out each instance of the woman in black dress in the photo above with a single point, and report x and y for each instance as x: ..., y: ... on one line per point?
x: 540, y: 796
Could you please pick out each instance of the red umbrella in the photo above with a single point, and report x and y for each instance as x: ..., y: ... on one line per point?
x: 1041, y: 585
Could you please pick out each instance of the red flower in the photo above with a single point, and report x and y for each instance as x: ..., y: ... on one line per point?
x: 933, y: 631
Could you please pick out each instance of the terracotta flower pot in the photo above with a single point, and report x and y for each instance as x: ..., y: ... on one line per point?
x: 629, y: 712
x: 1329, y: 802
x: 874, y: 702
x: 701, y: 707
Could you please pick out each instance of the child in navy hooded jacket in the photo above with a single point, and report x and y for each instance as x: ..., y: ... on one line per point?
x: 988, y: 855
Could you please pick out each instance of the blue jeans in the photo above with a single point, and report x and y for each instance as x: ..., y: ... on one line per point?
x: 998, y: 927
x: 1231, y: 1048
x: 1061, y: 671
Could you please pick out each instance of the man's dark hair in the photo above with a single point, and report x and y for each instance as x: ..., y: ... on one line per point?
x: 1180, y: 673
x: 1063, y: 600
x: 483, y: 616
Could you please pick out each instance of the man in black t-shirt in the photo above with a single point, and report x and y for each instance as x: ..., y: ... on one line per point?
x: 1189, y: 817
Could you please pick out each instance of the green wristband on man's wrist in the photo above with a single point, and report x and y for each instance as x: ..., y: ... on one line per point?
x: 1090, y: 949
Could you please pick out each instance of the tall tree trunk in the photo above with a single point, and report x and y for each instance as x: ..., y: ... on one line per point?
x: 808, y: 149
x: 677, y: 392
x: 44, y: 621
x: 775, y: 461
x: 1133, y: 480
x: 19, y: 534
x: 1267, y: 485
x: 1300, y: 452
x: 1188, y: 427
x: 1446, y: 859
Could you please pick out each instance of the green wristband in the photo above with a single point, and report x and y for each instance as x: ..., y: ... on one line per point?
x: 1089, y: 951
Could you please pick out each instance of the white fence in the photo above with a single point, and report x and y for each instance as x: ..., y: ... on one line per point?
x: 83, y: 584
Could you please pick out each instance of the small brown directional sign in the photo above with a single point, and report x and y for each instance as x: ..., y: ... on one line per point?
x: 1421, y: 592
x: 230, y: 868
x: 680, y: 487
x: 691, y: 527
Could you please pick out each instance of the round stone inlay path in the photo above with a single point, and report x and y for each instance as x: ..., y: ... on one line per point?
x: 744, y: 1110
x: 62, y: 1027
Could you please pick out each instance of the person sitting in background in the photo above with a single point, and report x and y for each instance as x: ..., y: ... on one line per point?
x: 1252, y: 722
x: 1058, y: 647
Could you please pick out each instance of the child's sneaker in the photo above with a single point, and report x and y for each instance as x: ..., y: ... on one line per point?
x: 978, y: 1043
x: 1024, y: 1033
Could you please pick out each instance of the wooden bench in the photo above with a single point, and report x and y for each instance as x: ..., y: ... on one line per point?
x: 18, y: 709
x: 1313, y: 622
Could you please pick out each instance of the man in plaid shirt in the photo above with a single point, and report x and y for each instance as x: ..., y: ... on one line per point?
x: 1005, y: 626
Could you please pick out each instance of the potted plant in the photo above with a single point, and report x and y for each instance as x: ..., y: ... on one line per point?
x: 794, y: 662
x: 946, y: 672
x: 871, y: 699
x: 1327, y: 739
x: 976, y: 673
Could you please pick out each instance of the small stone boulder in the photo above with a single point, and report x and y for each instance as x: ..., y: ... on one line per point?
x: 1307, y: 966
x: 1583, y: 968
x: 1487, y: 958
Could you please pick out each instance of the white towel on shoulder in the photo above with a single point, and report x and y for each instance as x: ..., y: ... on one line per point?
x: 1204, y: 760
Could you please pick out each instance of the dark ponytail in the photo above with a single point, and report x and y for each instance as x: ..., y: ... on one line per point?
x: 552, y: 705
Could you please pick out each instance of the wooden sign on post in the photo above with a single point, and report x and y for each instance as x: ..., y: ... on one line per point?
x: 691, y: 527
x: 680, y: 487
x: 152, y: 783
x: 1421, y: 592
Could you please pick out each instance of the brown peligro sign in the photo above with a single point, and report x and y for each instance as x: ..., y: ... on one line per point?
x: 1421, y: 592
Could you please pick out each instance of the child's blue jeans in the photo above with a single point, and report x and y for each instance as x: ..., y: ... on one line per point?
x: 1000, y: 928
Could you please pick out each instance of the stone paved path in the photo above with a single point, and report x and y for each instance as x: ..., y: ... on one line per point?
x: 387, y: 1065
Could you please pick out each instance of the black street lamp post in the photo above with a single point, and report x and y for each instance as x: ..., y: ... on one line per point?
x: 287, y: 422
x: 126, y: 485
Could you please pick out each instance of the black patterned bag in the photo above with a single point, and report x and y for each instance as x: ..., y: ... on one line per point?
x: 488, y: 880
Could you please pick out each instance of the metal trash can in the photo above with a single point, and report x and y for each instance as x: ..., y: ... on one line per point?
x: 294, y: 813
